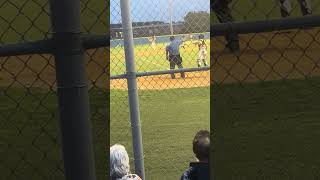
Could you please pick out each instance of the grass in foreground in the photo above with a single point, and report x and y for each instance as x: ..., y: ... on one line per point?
x: 170, y: 118
x: 30, y: 136
x: 267, y: 130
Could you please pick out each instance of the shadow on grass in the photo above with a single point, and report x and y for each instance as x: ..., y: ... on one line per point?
x: 266, y: 130
x: 29, y: 134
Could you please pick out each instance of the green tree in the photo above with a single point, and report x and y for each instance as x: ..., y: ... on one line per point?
x: 197, y: 22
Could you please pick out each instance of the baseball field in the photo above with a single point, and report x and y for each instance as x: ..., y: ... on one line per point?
x: 278, y: 66
x: 266, y: 125
x: 148, y: 59
x: 171, y: 110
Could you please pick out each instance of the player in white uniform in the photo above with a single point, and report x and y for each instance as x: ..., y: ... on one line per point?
x: 202, y: 54
x: 153, y: 42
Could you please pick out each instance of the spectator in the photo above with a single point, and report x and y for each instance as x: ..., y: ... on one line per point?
x: 201, y: 148
x: 119, y: 164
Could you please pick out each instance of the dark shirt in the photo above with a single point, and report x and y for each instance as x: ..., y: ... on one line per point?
x: 196, y: 171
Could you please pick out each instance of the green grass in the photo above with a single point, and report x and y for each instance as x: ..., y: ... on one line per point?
x: 273, y: 130
x: 170, y: 119
x: 248, y: 10
x: 267, y: 130
x: 30, y: 139
x: 29, y: 20
x: 148, y: 59
x: 166, y: 159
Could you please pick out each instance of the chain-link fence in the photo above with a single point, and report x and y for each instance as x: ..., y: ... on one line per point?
x: 30, y: 142
x: 265, y: 96
x: 248, y: 10
x: 252, y: 70
x: 172, y: 109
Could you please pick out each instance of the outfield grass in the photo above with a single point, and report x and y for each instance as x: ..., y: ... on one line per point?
x: 266, y: 130
x: 243, y: 128
x: 170, y: 118
x: 30, y: 139
x: 249, y: 126
x: 249, y: 10
x: 29, y: 20
x: 148, y: 59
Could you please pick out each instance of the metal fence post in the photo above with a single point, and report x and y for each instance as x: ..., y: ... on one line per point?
x: 72, y: 90
x: 132, y: 88
x: 171, y: 14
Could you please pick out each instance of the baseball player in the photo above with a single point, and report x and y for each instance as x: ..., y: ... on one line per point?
x: 223, y: 13
x: 191, y: 37
x: 202, y: 54
x: 173, y: 55
x: 285, y: 7
x: 153, y: 42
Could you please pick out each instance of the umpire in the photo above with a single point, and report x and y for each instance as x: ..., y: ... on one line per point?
x: 173, y: 55
x: 223, y: 13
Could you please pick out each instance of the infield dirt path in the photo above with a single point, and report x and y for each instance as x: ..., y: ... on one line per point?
x: 263, y: 57
x: 39, y: 70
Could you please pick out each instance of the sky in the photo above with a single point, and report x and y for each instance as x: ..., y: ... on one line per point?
x: 157, y: 10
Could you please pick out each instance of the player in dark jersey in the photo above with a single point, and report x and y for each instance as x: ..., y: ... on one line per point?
x: 173, y: 55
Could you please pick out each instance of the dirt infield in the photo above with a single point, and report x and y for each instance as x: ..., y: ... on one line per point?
x: 39, y: 70
x: 263, y: 57
x: 193, y: 79
x: 271, y: 56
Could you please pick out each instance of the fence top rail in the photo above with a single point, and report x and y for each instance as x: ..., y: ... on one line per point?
x: 155, y: 73
x: 265, y: 25
x: 46, y: 46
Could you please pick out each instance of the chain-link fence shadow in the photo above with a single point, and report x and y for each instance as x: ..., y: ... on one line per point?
x: 98, y: 70
x: 265, y: 100
x: 30, y: 135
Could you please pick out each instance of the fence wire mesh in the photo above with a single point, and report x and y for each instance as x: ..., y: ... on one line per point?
x: 266, y: 104
x: 172, y: 110
x: 29, y: 128
x: 247, y: 10
x: 265, y: 97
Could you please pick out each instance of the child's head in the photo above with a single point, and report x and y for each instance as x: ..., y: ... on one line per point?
x: 201, y: 145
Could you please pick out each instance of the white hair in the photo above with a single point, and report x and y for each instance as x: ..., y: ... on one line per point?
x: 119, y: 161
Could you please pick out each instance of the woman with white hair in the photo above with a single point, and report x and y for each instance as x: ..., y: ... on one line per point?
x: 119, y: 164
